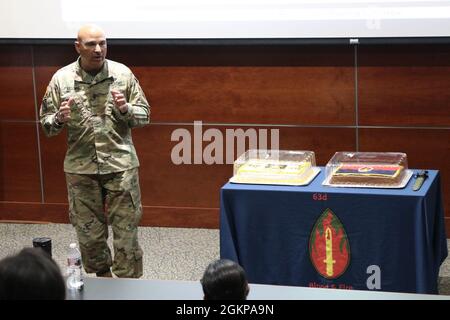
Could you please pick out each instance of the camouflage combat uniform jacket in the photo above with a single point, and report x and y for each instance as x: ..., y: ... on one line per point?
x: 98, y: 134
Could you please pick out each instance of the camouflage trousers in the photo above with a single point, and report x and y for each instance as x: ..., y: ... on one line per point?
x: 98, y: 200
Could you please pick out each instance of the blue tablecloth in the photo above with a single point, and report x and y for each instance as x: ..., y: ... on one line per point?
x: 384, y: 239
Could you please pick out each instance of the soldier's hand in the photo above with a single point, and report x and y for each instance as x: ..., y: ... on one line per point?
x: 119, y: 101
x: 63, y: 114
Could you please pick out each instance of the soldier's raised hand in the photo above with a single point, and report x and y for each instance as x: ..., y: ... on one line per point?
x: 63, y: 114
x: 119, y: 101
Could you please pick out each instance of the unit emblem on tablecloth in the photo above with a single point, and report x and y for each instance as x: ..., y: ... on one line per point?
x: 329, y: 248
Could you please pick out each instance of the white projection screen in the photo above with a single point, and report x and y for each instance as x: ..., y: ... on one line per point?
x: 226, y: 19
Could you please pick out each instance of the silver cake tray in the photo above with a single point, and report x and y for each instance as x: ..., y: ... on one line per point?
x: 315, y: 172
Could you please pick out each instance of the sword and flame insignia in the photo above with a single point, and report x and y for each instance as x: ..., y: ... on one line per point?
x: 329, y: 252
x: 329, y: 248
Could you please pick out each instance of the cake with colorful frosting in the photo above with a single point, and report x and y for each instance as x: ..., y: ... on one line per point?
x: 368, y: 174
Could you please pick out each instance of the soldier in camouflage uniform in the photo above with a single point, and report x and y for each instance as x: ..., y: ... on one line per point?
x: 99, y: 101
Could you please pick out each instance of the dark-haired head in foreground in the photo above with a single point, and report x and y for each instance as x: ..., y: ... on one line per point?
x: 224, y: 280
x: 31, y: 275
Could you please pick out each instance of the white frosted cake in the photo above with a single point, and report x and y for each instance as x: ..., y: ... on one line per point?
x: 268, y: 167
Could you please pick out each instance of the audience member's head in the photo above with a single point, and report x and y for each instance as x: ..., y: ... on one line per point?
x: 224, y: 280
x: 31, y: 275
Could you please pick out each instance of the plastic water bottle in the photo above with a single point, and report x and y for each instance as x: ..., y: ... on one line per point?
x: 74, y: 268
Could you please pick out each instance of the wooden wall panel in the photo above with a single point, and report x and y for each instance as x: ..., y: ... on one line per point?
x: 53, y: 150
x: 404, y: 86
x: 176, y: 217
x: 265, y: 95
x: 33, y: 212
x: 47, y: 60
x: 19, y: 164
x: 266, y: 85
x: 166, y: 184
x: 323, y: 141
x: 231, y: 55
x: 16, y: 83
x: 426, y: 149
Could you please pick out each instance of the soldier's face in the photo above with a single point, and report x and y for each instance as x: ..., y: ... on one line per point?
x: 92, y: 49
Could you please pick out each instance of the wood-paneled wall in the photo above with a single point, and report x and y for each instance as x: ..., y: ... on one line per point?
x: 324, y: 98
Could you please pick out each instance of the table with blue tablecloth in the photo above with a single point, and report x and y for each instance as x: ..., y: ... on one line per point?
x: 334, y: 237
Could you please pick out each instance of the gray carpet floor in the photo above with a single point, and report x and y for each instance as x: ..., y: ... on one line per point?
x: 169, y: 253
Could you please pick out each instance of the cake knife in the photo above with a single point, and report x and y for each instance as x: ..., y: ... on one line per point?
x: 420, y: 178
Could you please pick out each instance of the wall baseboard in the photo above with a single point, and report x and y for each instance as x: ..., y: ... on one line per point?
x: 175, y: 217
